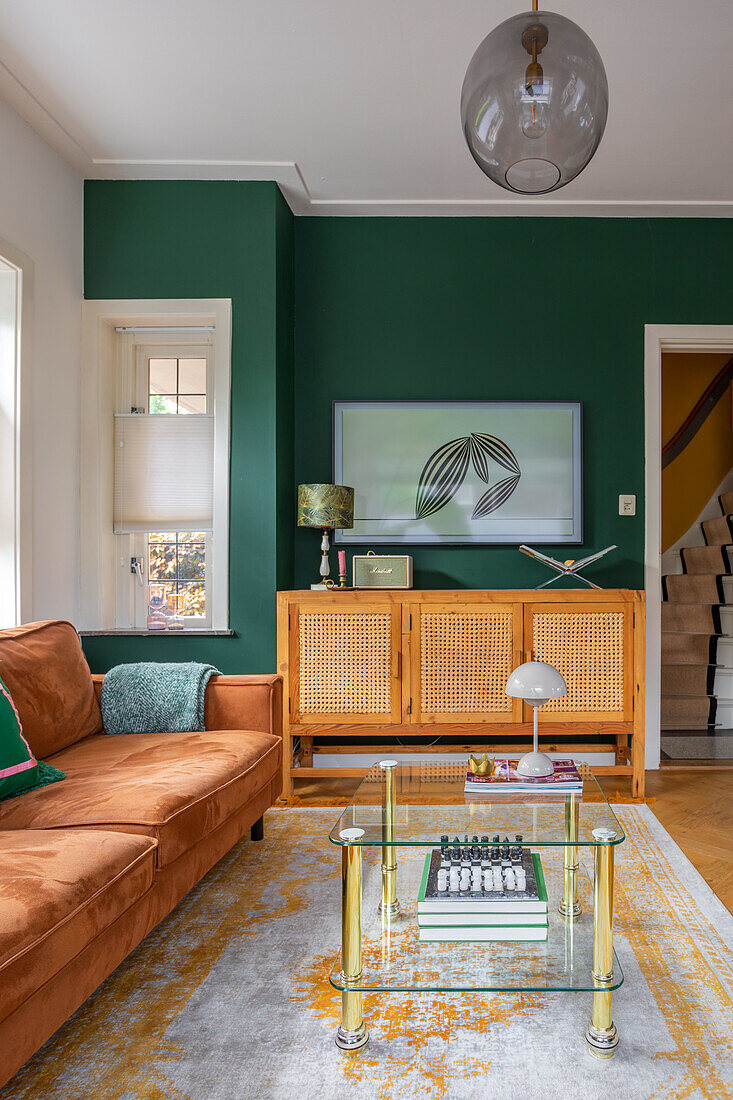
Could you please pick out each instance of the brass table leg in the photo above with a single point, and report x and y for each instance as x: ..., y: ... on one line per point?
x: 351, y: 1033
x: 601, y: 1035
x: 569, y: 907
x: 389, y: 906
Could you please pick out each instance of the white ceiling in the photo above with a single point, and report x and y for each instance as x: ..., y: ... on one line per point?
x: 353, y: 106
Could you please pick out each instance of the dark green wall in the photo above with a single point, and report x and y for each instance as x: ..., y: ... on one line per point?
x: 201, y: 239
x: 401, y: 308
x: 500, y: 308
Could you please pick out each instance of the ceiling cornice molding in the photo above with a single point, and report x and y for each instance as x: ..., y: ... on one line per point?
x: 32, y: 111
x: 291, y: 180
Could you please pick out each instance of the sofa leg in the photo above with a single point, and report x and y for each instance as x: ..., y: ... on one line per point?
x: 257, y: 831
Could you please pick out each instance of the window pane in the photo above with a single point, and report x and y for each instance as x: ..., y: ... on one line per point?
x: 160, y: 404
x: 163, y: 376
x: 191, y: 562
x: 191, y: 376
x: 177, y: 560
x: 162, y: 561
x: 189, y: 404
x: 192, y: 596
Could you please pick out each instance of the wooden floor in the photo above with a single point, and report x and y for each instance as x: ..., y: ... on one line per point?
x: 695, y: 805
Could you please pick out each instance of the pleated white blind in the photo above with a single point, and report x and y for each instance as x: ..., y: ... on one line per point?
x: 164, y: 473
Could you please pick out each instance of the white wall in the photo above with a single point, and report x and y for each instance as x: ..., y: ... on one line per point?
x: 41, y: 214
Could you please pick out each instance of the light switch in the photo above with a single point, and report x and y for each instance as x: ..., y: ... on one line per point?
x: 627, y: 505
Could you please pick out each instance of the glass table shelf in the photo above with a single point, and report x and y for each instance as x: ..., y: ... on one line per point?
x: 422, y: 787
x: 393, y: 959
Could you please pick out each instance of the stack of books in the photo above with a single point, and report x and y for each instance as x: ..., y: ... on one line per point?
x: 482, y: 894
x: 502, y: 778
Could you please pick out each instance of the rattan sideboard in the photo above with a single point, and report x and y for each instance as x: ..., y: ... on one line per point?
x: 421, y: 671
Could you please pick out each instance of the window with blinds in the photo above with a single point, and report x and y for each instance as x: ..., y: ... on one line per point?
x: 164, y: 485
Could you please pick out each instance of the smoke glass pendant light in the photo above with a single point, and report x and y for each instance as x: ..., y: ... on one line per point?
x: 534, y: 102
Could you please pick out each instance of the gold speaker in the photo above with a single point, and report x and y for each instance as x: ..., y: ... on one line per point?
x: 382, y: 570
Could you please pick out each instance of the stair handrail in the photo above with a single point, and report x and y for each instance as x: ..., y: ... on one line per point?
x: 699, y: 414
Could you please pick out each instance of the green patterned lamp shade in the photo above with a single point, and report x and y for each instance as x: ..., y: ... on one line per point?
x: 325, y: 506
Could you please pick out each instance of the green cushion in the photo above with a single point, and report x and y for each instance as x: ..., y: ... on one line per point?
x: 19, y: 769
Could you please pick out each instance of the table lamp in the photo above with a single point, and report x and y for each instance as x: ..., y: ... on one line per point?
x: 536, y: 683
x: 327, y: 507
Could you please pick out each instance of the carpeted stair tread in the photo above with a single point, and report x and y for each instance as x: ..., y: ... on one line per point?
x: 705, y: 559
x: 718, y: 531
x: 726, y: 502
x: 693, y: 588
x: 688, y: 649
x: 687, y: 679
x: 687, y: 711
x: 695, y: 618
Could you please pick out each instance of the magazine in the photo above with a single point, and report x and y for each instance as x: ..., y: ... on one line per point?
x: 503, y: 779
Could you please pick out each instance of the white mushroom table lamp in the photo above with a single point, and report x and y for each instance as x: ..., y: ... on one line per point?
x: 536, y: 683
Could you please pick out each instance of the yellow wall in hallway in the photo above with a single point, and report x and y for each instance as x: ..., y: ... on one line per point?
x: 691, y: 479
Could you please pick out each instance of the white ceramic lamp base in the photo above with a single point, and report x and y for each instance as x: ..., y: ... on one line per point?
x: 535, y: 765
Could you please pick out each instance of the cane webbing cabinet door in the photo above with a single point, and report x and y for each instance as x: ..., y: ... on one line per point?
x: 461, y: 660
x: 345, y: 664
x: 592, y: 646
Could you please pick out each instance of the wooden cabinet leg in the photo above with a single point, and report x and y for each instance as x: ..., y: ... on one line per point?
x: 287, y: 763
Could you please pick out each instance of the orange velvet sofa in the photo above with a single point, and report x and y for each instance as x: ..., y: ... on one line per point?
x: 91, y: 864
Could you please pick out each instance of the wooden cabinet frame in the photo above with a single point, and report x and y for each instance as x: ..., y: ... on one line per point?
x: 396, y: 663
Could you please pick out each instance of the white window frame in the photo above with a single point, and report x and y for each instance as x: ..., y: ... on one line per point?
x: 113, y: 381
x: 168, y: 346
x: 16, y: 441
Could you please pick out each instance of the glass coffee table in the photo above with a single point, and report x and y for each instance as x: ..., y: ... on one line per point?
x: 411, y: 806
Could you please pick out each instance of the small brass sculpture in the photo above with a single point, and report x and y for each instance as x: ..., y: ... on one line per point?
x: 480, y: 765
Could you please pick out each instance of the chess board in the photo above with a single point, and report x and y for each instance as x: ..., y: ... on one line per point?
x: 531, y: 893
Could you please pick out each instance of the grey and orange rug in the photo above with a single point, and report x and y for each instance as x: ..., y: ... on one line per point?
x: 228, y: 999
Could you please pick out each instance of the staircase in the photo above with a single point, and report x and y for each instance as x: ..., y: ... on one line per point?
x: 697, y: 635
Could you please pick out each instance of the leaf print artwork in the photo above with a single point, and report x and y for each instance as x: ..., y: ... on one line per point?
x: 444, y: 472
x: 442, y: 476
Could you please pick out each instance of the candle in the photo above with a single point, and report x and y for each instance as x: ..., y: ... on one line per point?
x: 342, y: 563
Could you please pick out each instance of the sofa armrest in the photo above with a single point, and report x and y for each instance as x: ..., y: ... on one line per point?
x: 238, y: 703
x: 245, y: 703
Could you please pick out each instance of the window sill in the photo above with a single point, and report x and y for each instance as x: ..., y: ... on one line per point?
x: 158, y: 633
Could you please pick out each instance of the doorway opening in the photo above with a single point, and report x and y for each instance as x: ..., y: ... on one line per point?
x: 697, y: 557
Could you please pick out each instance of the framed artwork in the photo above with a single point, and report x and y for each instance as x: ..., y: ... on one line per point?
x: 459, y: 472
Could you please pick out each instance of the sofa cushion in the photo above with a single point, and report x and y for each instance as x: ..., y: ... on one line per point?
x: 48, y: 677
x: 175, y: 787
x: 18, y: 765
x: 58, y: 890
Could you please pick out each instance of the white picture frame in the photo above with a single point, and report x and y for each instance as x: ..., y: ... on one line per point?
x: 460, y: 472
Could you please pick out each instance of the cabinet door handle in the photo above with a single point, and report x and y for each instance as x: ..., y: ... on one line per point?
x: 396, y: 664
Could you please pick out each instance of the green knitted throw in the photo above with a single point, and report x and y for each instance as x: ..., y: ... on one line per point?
x: 149, y: 697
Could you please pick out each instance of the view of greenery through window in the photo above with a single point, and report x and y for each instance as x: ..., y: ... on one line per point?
x: 177, y: 559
